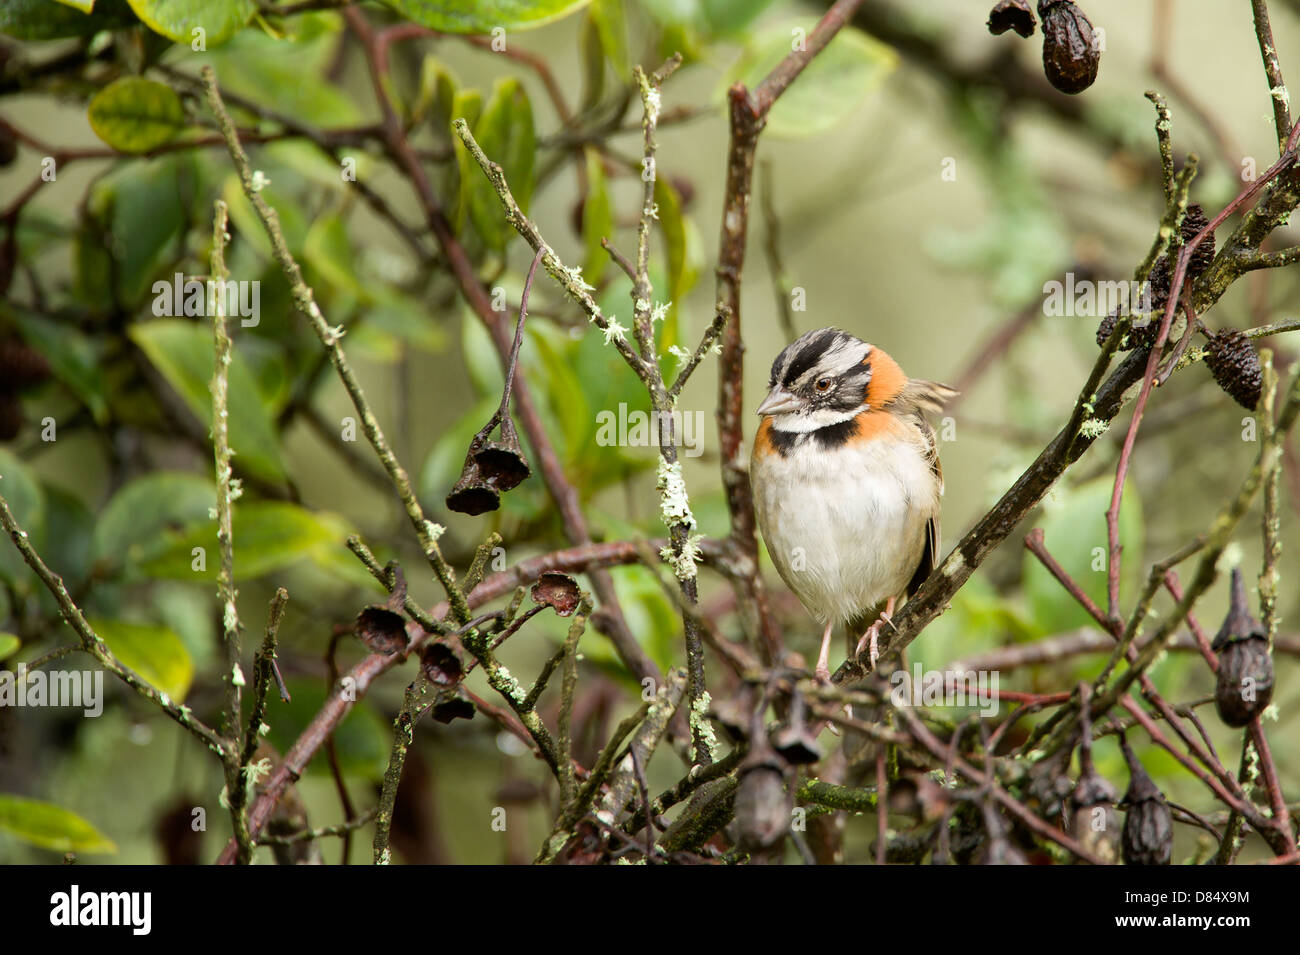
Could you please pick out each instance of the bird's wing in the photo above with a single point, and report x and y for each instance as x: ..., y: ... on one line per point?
x: 917, y: 397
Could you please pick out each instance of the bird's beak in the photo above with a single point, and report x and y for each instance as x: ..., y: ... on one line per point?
x: 779, y: 401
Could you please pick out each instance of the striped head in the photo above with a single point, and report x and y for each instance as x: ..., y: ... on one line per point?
x: 827, y: 377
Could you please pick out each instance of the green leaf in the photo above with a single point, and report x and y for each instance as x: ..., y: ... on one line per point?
x: 42, y: 20
x: 483, y: 16
x: 181, y: 20
x: 467, y: 105
x: 9, y: 644
x: 597, y: 218
x: 269, y: 536
x: 85, y: 6
x: 832, y: 86
x: 728, y: 17
x: 437, y: 96
x: 287, y: 74
x: 681, y: 272
x: 131, y: 525
x: 135, y: 115
x: 505, y: 132
x: 154, y: 652
x: 27, y: 502
x: 49, y: 826
x: 1074, y: 524
x: 72, y: 356
x: 611, y: 27
x: 182, y: 352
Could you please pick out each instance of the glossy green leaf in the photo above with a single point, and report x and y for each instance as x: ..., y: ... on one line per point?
x: 269, y: 536
x: 9, y: 645
x: 156, y: 653
x: 135, y: 115
x: 287, y: 73
x: 1074, y: 524
x: 611, y: 26
x: 597, y: 218
x: 27, y: 502
x: 467, y: 105
x: 133, y: 522
x: 50, y: 827
x: 43, y: 20
x: 505, y: 133
x: 437, y: 95
x: 182, y: 20
x: 182, y: 352
x: 681, y: 275
x: 729, y: 17
x: 483, y: 16
x: 828, y: 91
x: 73, y: 358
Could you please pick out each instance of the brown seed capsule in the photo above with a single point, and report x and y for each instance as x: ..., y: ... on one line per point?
x: 793, y: 741
x: 1070, y: 53
x: 21, y: 365
x: 1244, y: 682
x: 502, y: 463
x: 381, y: 630
x: 1148, y: 837
x: 1146, y: 313
x: 1235, y: 366
x: 1012, y: 15
x: 11, y: 416
x: 1194, y: 220
x: 472, y: 494
x: 1095, y: 823
x: 558, y: 591
x: 441, y: 665
x: 763, y: 806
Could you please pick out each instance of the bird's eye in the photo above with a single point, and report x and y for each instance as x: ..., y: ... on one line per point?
x: 823, y: 385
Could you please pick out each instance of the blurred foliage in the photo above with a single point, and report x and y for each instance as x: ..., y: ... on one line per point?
x: 122, y: 505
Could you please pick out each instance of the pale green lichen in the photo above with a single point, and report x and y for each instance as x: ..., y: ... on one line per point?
x: 674, y: 505
x: 614, y: 330
x: 1094, y: 428
x: 701, y: 728
x: 255, y: 771
x: 236, y: 675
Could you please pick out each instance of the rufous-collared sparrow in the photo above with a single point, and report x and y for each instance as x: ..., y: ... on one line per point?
x: 846, y: 478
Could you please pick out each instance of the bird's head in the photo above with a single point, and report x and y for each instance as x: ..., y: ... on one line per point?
x: 826, y: 377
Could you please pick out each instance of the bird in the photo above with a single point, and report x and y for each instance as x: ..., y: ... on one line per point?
x: 846, y: 481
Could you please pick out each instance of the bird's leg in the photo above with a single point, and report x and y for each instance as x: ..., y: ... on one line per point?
x: 869, y: 638
x: 823, y: 671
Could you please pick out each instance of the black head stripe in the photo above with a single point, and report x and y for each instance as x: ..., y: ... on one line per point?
x: 806, y: 352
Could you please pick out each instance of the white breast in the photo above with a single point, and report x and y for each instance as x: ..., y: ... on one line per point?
x: 845, y: 527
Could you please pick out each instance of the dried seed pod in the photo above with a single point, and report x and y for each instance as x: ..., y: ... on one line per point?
x: 1070, y: 53
x: 1012, y: 15
x: 1194, y: 220
x: 1235, y: 366
x: 763, y: 806
x: 1146, y: 315
x: 793, y: 741
x: 441, y: 665
x: 1148, y: 837
x: 11, y: 416
x: 1095, y: 823
x: 472, y: 494
x: 558, y: 591
x: 457, y: 708
x: 381, y: 630
x: 21, y: 365
x: 1244, y: 683
x: 502, y: 463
